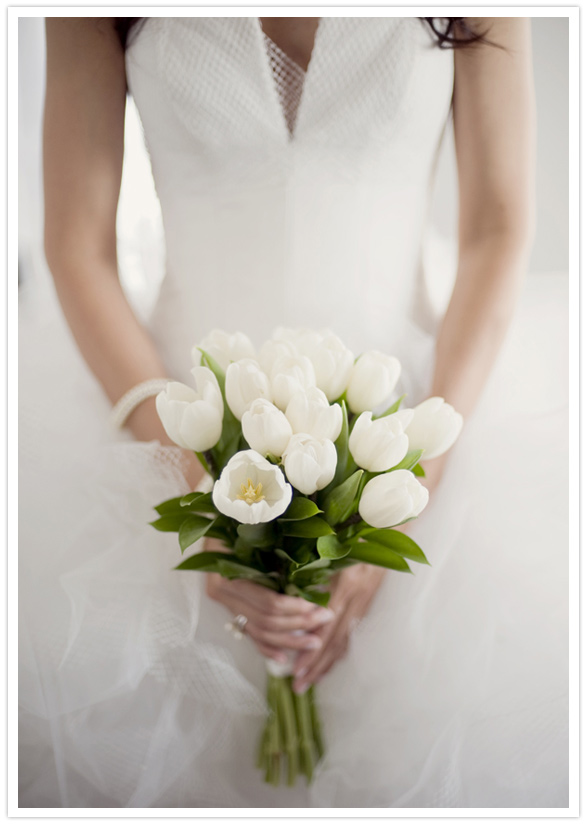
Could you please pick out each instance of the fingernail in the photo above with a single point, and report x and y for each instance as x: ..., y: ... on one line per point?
x: 301, y: 672
x: 300, y: 688
x: 313, y: 644
x: 325, y: 615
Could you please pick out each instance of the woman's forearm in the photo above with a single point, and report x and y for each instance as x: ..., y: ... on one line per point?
x: 115, y: 345
x: 489, y: 278
x: 488, y: 283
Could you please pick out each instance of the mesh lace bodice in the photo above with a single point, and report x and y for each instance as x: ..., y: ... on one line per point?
x: 289, y: 81
x: 286, y: 194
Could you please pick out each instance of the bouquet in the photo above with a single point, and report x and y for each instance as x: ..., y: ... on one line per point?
x: 308, y: 479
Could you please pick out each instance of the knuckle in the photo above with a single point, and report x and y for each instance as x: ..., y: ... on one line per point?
x: 270, y: 604
x: 265, y: 623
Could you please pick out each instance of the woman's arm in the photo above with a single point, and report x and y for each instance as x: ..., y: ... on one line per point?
x: 495, y: 147
x: 83, y: 151
x: 494, y: 136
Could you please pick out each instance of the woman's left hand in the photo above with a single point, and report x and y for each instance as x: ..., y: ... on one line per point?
x: 352, y: 591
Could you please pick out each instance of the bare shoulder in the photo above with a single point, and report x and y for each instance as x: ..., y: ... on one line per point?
x: 87, y: 40
x: 505, y: 33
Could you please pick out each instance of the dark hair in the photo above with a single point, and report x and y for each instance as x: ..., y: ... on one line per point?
x: 450, y: 32
x: 454, y: 32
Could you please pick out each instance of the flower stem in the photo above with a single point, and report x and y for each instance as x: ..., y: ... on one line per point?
x: 290, y: 731
x: 316, y: 726
x: 307, y: 748
x: 291, y: 742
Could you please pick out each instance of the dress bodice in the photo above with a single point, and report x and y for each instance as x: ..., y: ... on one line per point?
x: 319, y: 226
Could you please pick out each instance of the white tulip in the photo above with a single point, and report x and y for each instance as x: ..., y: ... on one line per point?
x: 333, y: 364
x: 251, y: 489
x: 391, y: 498
x: 289, y: 375
x: 245, y: 381
x: 309, y: 412
x: 434, y: 428
x: 224, y: 347
x: 332, y: 361
x: 192, y: 418
x: 301, y: 339
x: 309, y: 464
x: 372, y: 380
x: 266, y: 428
x: 379, y: 445
x: 272, y: 351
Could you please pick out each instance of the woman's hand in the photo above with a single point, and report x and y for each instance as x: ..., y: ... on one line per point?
x: 278, y: 624
x: 352, y: 591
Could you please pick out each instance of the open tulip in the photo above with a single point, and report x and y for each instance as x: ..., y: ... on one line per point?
x: 391, y: 498
x: 192, y: 418
x: 379, y: 445
x: 224, y: 347
x: 251, y: 489
x: 372, y: 380
x: 245, y: 381
x: 309, y: 412
x: 434, y: 428
x: 266, y: 428
x: 309, y: 464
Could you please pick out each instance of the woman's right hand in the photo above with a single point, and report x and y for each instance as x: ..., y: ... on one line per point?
x: 278, y: 624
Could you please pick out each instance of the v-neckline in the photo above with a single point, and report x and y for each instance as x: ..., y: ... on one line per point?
x: 307, y: 73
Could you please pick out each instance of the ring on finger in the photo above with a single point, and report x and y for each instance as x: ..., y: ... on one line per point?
x: 237, y: 626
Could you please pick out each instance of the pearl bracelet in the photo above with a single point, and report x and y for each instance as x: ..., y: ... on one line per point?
x: 135, y: 396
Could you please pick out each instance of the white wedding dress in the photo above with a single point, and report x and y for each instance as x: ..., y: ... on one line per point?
x: 303, y: 201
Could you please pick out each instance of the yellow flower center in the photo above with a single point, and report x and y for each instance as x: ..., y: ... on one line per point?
x: 250, y: 493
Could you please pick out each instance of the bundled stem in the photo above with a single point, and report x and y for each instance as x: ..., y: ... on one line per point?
x: 291, y: 742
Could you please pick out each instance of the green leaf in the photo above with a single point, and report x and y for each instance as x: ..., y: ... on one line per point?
x: 282, y: 554
x: 379, y: 555
x: 257, y: 535
x: 315, y: 596
x: 244, y: 551
x: 170, y: 507
x: 310, y: 528
x: 300, y: 551
x: 169, y: 523
x: 342, y: 447
x: 396, y: 541
x: 329, y: 547
x: 393, y: 409
x: 212, y: 364
x: 229, y: 441
x: 234, y: 570
x: 316, y: 564
x: 410, y: 460
x: 192, y: 529
x: 299, y: 509
x: 339, y: 503
x: 202, y: 459
x: 418, y: 470
x: 345, y: 465
x: 206, y: 561
x: 198, y: 503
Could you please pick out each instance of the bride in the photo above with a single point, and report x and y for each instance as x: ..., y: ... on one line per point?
x: 293, y: 159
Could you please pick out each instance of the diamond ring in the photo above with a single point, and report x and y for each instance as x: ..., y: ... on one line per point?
x: 237, y: 626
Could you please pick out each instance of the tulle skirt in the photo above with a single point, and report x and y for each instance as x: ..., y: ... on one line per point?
x: 453, y: 693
